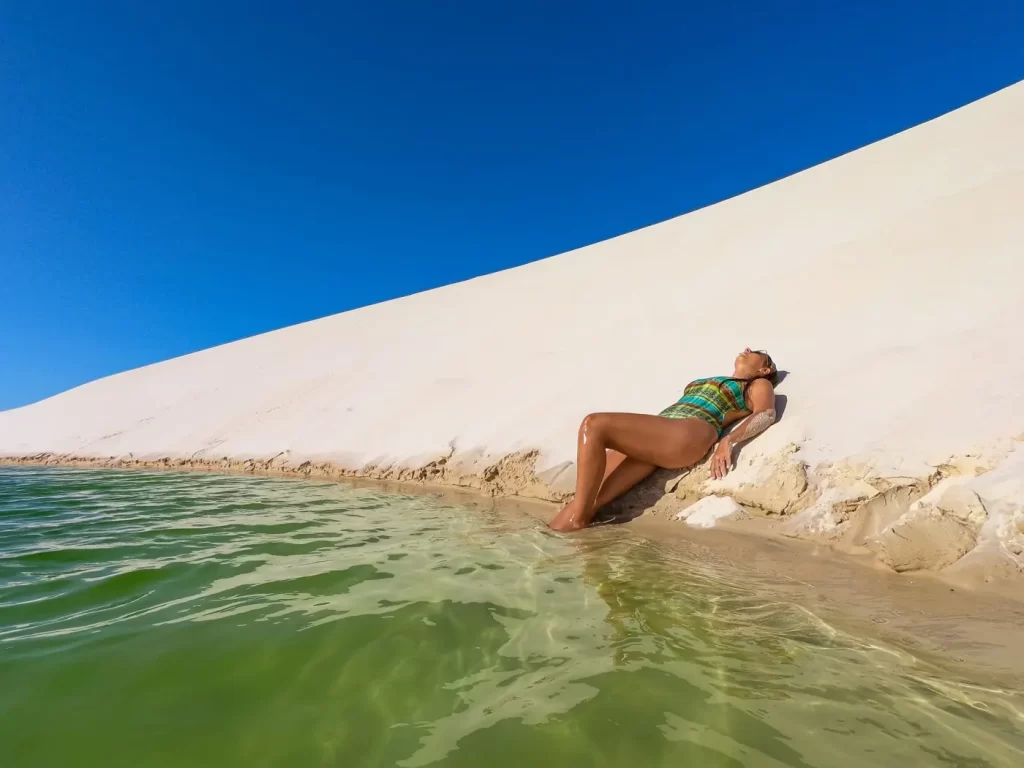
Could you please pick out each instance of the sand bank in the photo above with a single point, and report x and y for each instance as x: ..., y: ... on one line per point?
x: 886, y: 282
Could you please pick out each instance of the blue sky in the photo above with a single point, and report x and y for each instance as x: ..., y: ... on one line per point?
x: 178, y: 175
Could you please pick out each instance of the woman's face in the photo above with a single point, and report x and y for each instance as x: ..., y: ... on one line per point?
x: 749, y: 364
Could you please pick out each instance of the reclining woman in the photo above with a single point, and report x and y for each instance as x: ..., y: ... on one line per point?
x: 615, y: 451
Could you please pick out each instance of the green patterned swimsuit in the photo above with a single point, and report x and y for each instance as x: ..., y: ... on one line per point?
x: 709, y: 400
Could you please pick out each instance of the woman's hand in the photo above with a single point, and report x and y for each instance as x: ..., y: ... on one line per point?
x: 721, y: 459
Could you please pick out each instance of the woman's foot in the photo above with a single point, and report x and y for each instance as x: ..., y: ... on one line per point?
x: 566, y: 520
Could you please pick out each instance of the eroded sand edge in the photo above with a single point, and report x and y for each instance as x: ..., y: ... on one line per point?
x: 964, y: 522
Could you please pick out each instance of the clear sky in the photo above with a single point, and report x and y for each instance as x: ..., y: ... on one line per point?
x: 178, y: 175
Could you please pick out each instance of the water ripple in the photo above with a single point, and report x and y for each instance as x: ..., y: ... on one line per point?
x: 272, y: 622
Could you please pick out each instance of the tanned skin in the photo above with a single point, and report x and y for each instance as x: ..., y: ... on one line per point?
x: 615, y: 451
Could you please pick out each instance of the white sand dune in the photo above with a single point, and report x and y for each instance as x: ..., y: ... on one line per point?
x: 888, y: 283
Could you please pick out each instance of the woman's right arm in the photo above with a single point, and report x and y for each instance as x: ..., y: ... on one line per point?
x: 761, y: 399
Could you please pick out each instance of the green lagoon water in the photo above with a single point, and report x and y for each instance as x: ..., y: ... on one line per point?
x: 195, y: 620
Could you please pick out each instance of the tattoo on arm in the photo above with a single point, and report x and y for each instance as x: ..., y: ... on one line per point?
x: 753, y: 426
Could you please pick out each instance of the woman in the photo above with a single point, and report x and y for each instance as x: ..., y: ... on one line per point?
x: 615, y: 451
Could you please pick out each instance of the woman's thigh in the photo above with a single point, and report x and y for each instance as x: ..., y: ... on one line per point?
x: 668, y: 443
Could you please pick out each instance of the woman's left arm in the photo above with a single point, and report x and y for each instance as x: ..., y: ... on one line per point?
x: 761, y: 398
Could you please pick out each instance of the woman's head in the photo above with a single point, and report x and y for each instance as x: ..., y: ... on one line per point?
x: 755, y: 364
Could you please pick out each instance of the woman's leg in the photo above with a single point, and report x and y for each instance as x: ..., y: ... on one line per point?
x: 624, y: 475
x: 653, y: 440
x: 620, y: 474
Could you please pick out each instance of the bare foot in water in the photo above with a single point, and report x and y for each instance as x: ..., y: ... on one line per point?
x: 565, y: 521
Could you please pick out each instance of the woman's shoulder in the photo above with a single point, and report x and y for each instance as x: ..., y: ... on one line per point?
x: 760, y: 383
x: 760, y: 387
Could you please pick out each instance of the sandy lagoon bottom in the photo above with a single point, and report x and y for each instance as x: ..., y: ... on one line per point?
x: 186, y: 619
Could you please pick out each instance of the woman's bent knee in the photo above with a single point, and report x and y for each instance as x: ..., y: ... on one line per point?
x: 592, y: 424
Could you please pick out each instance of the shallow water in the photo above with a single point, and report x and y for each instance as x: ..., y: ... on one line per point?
x: 161, y: 619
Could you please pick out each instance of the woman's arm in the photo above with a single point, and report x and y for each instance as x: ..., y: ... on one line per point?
x: 761, y: 399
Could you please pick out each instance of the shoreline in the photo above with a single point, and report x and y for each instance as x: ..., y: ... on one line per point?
x: 649, y: 510
x: 968, y: 631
